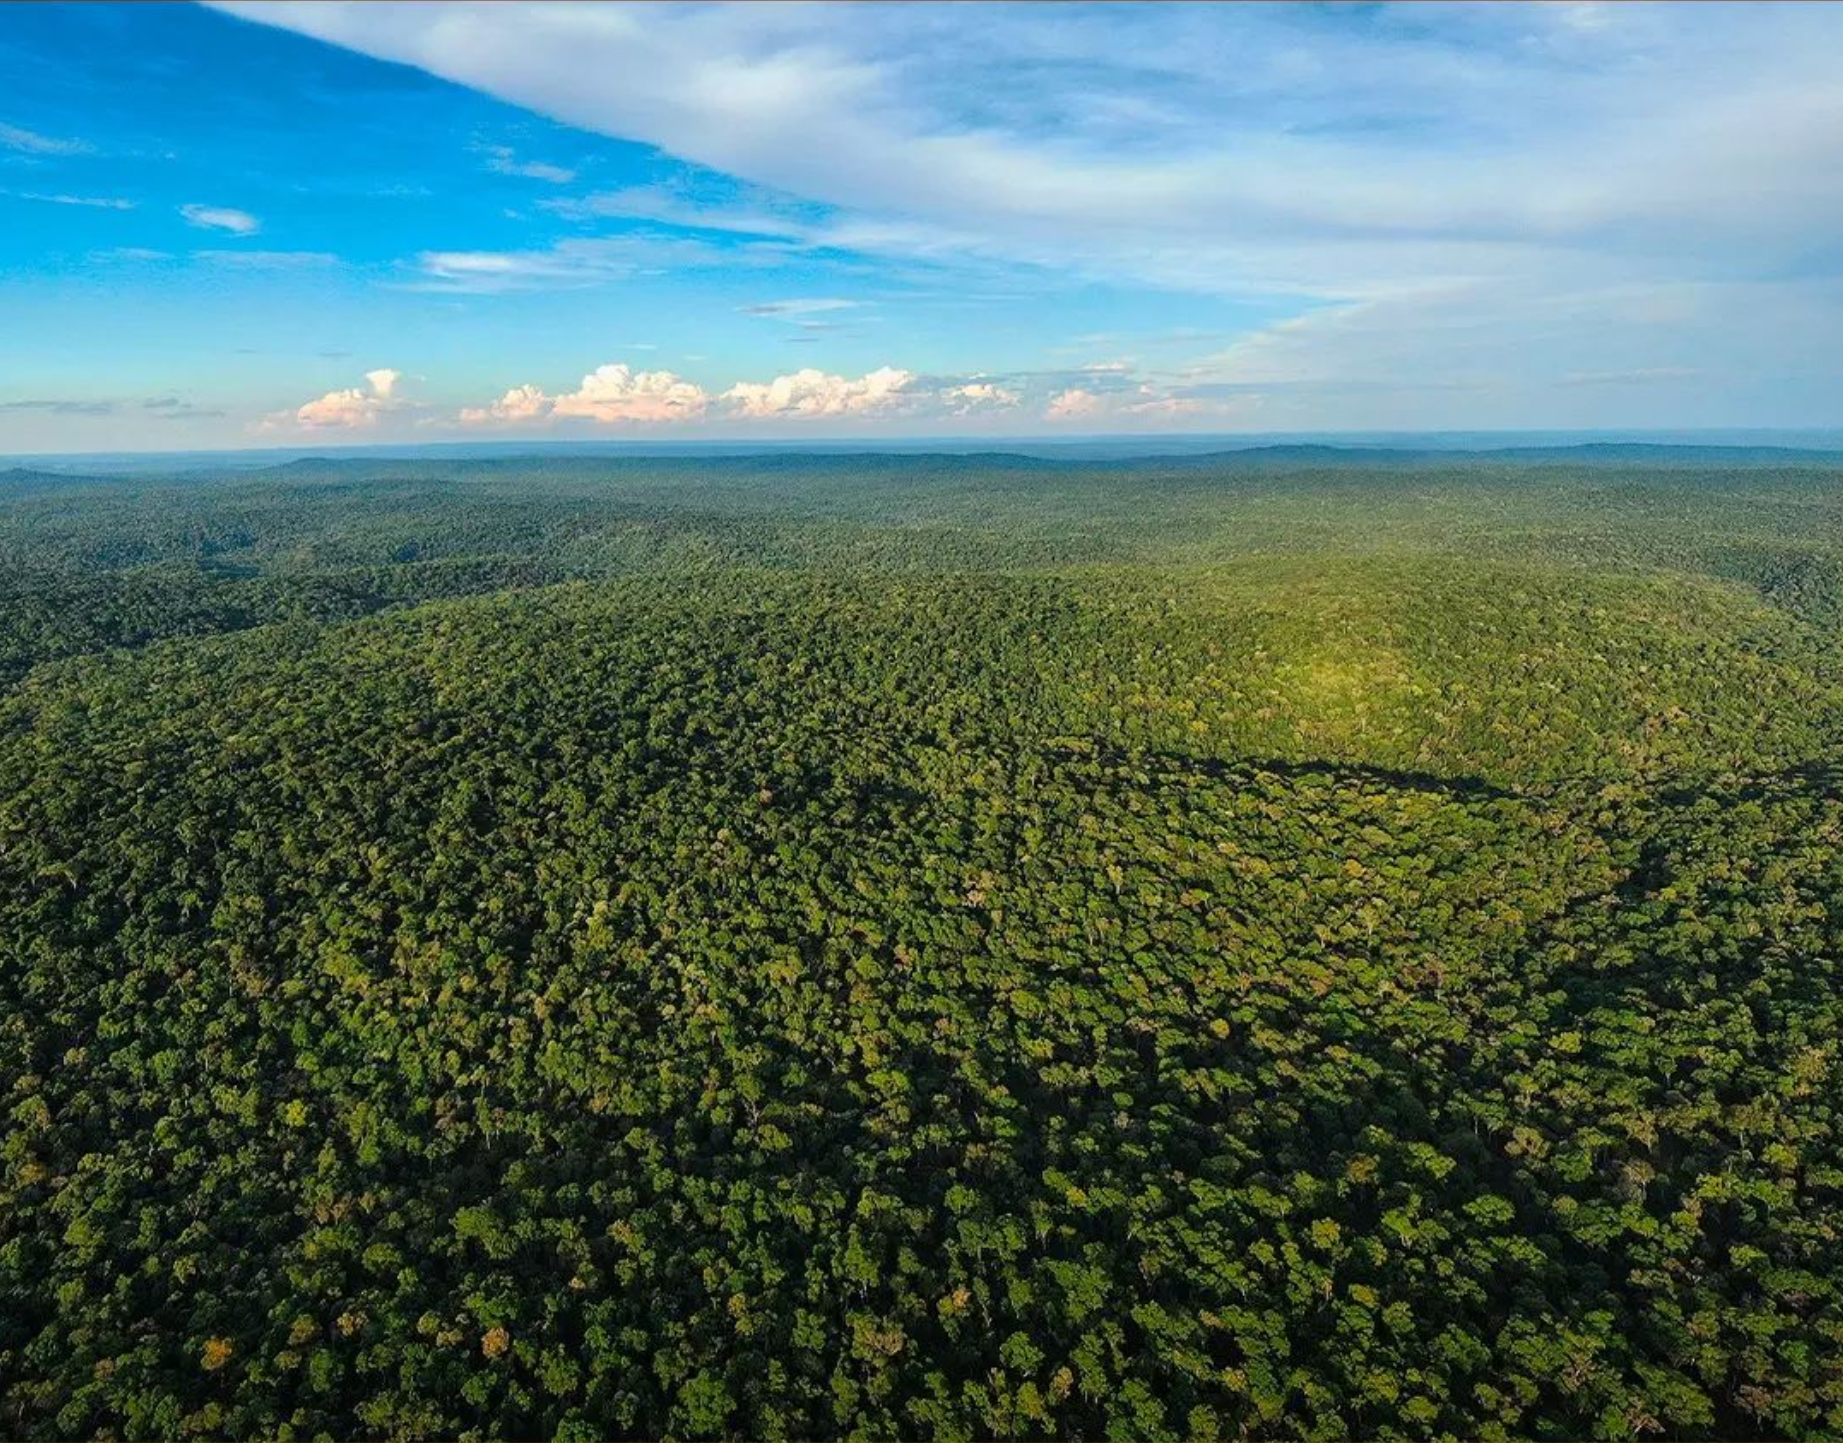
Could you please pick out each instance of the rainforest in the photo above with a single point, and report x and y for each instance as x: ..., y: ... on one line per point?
x: 1298, y: 943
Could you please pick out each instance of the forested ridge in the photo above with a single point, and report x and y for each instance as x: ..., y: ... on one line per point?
x: 924, y: 947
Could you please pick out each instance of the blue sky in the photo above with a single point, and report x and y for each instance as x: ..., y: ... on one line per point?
x: 282, y: 224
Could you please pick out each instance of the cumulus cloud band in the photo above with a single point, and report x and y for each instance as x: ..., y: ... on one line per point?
x: 616, y: 394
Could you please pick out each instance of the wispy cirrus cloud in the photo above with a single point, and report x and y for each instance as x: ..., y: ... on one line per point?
x: 269, y: 260
x: 30, y: 142
x: 739, y: 211
x: 568, y: 264
x: 224, y: 218
x: 503, y: 160
x: 62, y: 407
x: 795, y: 309
x: 810, y: 315
x: 172, y: 408
x: 93, y: 202
x: 1045, y: 134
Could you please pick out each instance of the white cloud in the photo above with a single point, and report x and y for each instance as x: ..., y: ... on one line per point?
x: 614, y: 394
x: 811, y: 392
x: 977, y: 396
x: 352, y: 408
x: 1633, y: 354
x: 1148, y: 405
x: 95, y: 202
x: 17, y: 137
x: 213, y: 217
x: 503, y: 161
x: 672, y: 205
x: 1151, y: 401
x: 617, y: 394
x: 521, y: 403
x: 1072, y: 405
x: 269, y: 260
x: 813, y: 306
x: 1048, y: 134
x: 567, y: 265
x: 62, y: 407
x: 1531, y: 157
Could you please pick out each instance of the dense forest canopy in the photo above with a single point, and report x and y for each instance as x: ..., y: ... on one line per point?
x: 1278, y: 945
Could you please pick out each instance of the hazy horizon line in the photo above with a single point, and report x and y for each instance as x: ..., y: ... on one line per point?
x: 1808, y: 438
